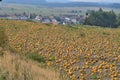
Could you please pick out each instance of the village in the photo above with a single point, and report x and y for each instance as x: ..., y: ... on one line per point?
x: 61, y: 19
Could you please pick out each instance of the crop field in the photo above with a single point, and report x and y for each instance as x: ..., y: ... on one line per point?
x: 79, y: 52
x: 42, y: 10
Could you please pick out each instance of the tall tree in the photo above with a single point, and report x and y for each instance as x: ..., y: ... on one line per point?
x: 102, y: 18
x: 118, y: 20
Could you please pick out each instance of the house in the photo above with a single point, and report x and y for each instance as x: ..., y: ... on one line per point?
x: 23, y: 18
x: 54, y: 21
x: 74, y: 21
x: 38, y: 18
x: 13, y: 17
x: 46, y: 20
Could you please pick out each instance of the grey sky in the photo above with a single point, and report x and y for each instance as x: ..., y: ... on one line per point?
x: 117, y: 1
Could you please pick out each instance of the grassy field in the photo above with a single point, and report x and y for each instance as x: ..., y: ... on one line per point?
x: 15, y: 67
x: 20, y: 8
x: 78, y: 52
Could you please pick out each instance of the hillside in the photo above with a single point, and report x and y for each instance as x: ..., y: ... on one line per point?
x: 15, y: 67
x: 78, y: 52
x: 65, y: 3
x: 26, y: 1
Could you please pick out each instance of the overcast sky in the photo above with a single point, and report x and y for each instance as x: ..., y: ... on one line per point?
x: 97, y: 0
x: 102, y: 1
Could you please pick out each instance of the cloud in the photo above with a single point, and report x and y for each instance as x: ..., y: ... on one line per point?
x: 97, y: 0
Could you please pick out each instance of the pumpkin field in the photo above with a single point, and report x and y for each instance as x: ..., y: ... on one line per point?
x: 79, y: 52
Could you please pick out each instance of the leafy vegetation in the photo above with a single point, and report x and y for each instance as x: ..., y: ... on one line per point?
x: 103, y: 19
x: 3, y: 37
x: 118, y: 20
x: 3, y: 40
x: 4, y: 75
x: 36, y: 57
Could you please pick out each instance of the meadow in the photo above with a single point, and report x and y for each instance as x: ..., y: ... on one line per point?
x: 6, y: 8
x: 78, y: 52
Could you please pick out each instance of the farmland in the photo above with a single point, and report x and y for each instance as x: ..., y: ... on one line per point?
x: 45, y: 11
x: 79, y: 52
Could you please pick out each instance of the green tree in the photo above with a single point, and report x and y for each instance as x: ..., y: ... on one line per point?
x: 118, y: 20
x: 91, y: 19
x: 102, y: 18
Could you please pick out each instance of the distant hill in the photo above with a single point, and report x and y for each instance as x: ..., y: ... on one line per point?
x: 59, y: 3
x: 84, y: 4
x: 34, y: 1
x: 26, y: 1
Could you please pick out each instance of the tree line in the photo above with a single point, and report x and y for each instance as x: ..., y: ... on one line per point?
x: 103, y: 19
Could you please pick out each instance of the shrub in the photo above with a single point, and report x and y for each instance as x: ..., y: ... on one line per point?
x: 3, y: 38
x: 102, y: 18
x: 51, y: 59
x: 105, y: 33
x: 36, y: 57
x: 29, y: 20
x: 4, y: 75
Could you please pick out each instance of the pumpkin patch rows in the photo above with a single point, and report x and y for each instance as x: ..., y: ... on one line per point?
x: 81, y: 52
